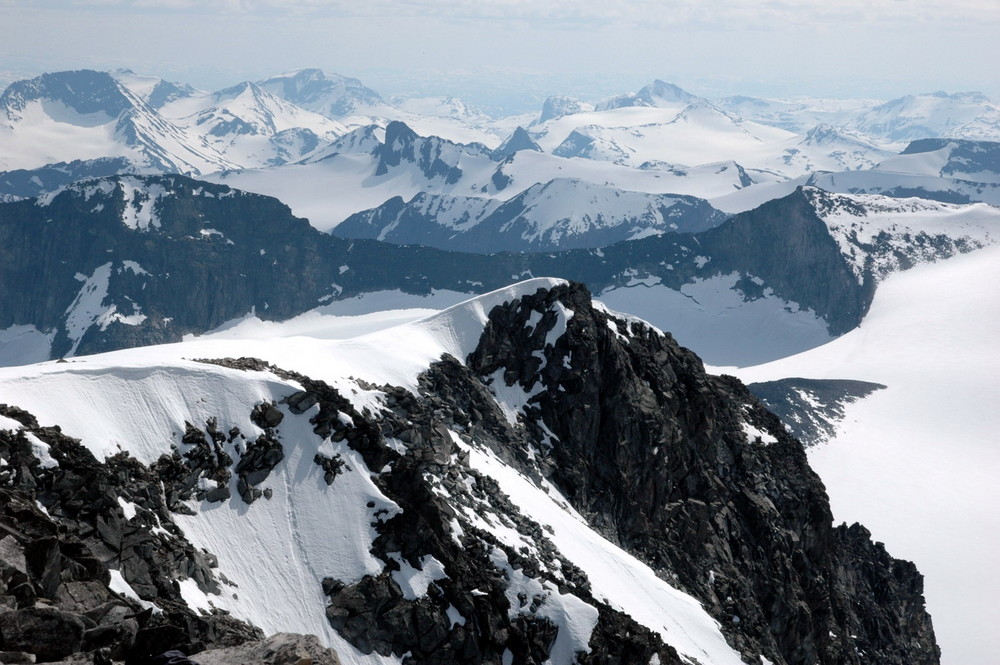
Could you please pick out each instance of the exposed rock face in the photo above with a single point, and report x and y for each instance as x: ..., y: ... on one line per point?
x: 519, y: 140
x: 435, y: 157
x: 280, y: 649
x: 45, y: 631
x: 466, y: 615
x: 690, y: 471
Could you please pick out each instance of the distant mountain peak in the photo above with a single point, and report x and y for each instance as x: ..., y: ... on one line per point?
x: 329, y: 94
x: 558, y: 106
x: 656, y: 94
x: 85, y: 91
x: 398, y: 132
x: 519, y: 140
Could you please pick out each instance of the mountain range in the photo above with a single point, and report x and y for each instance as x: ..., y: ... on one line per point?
x: 291, y: 357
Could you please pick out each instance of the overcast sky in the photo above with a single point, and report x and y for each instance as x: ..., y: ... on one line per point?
x: 524, y: 50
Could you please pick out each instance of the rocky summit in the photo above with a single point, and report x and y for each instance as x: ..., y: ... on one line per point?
x: 495, y: 491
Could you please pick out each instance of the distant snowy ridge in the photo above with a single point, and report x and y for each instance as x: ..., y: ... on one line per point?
x: 158, y: 126
x: 371, y: 166
x: 279, y: 136
x: 144, y: 259
x: 880, y: 235
x: 966, y: 115
x: 560, y: 214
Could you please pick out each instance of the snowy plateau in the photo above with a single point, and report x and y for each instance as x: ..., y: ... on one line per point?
x: 291, y: 357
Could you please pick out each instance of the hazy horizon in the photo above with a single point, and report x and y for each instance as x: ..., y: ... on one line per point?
x: 511, y: 54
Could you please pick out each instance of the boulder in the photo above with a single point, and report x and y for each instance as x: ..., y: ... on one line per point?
x: 279, y: 649
x: 48, y: 633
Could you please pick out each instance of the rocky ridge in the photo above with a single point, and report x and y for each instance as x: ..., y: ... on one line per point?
x: 643, y: 443
x: 686, y: 471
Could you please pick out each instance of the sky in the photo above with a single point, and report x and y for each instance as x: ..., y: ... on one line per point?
x: 514, y: 53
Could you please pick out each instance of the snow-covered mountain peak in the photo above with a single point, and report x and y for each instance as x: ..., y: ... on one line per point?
x: 86, y: 92
x: 661, y: 91
x: 331, y: 95
x: 457, y: 329
x: 519, y: 140
x: 558, y: 106
x: 703, y: 111
x: 157, y: 126
x: 447, y: 485
x: 968, y: 115
x: 658, y: 94
x: 398, y: 135
x: 434, y: 156
x: 362, y: 140
x: 247, y: 108
x: 826, y: 134
x: 153, y: 90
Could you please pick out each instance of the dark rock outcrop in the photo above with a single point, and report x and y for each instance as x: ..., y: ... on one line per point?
x: 657, y: 455
x: 47, y: 632
x: 517, y: 141
x: 63, y: 527
x: 279, y: 649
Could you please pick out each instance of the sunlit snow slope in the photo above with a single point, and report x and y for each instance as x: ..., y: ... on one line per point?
x: 918, y: 462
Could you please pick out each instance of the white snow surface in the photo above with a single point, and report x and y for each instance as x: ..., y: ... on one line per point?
x: 9, y: 424
x: 917, y: 462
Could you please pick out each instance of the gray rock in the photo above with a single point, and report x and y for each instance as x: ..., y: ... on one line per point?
x: 279, y: 649
x: 118, y: 638
x: 12, y: 554
x: 48, y: 633
x: 82, y: 597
